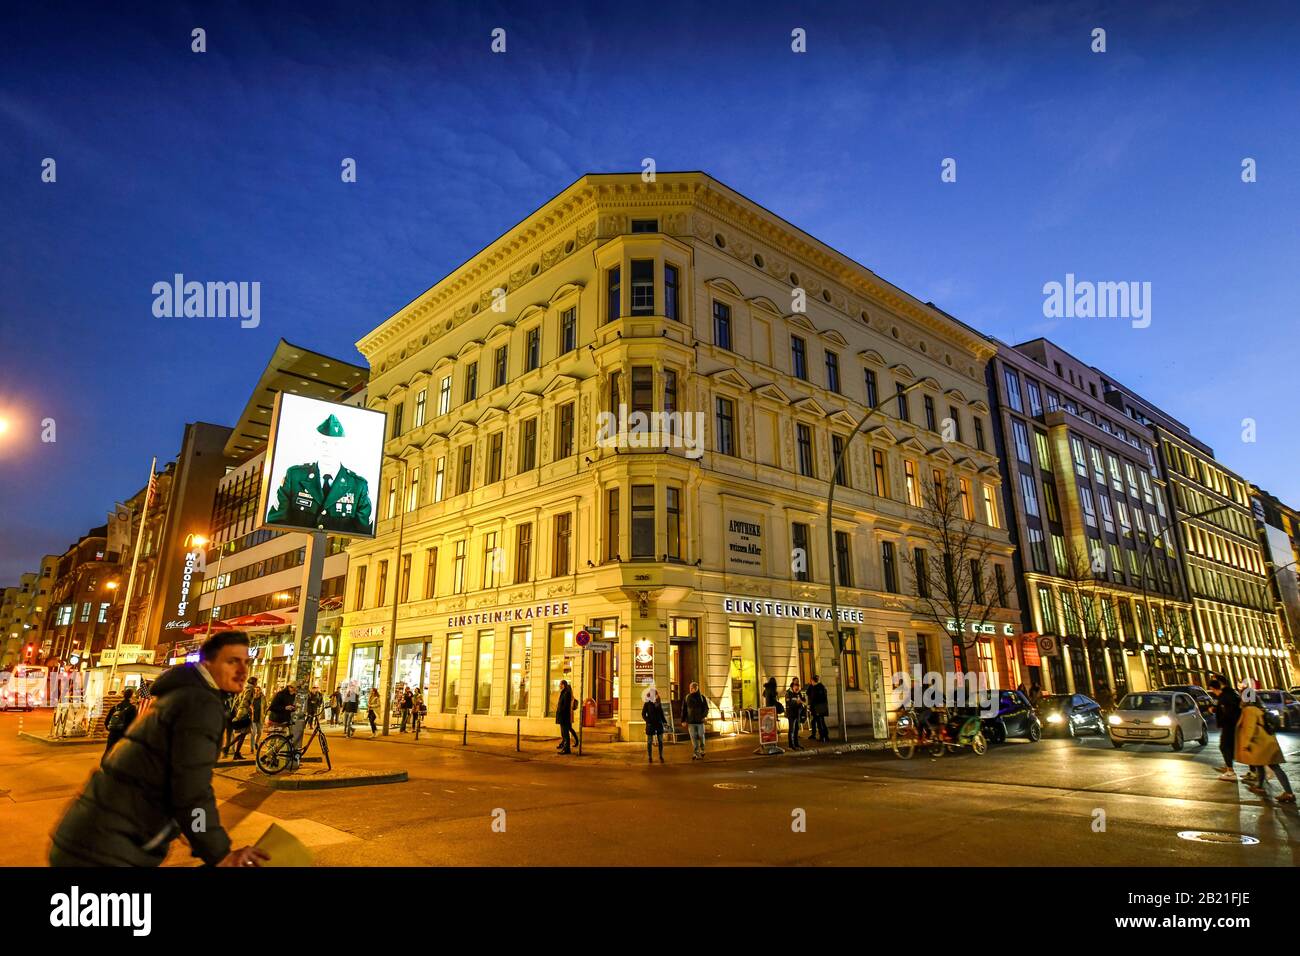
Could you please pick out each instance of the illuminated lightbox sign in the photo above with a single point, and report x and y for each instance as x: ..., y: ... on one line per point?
x: 802, y: 612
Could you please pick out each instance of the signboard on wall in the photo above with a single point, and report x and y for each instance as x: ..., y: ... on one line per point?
x: 643, y: 662
x: 744, y: 536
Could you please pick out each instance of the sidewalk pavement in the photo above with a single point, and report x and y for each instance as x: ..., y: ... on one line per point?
x: 732, y: 747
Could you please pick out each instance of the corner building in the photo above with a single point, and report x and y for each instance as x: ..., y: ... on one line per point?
x: 517, y: 527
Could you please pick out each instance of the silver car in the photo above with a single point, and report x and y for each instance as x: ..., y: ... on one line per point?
x: 1157, y: 717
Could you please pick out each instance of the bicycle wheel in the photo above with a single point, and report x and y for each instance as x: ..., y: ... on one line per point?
x: 937, y: 747
x: 325, y: 750
x: 905, y: 742
x: 275, y: 753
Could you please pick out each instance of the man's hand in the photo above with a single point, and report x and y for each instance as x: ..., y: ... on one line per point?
x: 245, y: 856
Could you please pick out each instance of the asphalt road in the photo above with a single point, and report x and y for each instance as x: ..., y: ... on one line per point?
x: 1055, y: 802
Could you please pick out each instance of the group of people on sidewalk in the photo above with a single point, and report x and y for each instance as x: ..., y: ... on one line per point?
x: 1245, y: 736
x: 804, y: 707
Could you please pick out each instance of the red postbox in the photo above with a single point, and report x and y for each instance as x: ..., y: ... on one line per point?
x: 589, y: 713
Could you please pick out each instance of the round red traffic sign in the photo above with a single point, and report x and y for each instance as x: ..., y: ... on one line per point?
x: 583, y: 638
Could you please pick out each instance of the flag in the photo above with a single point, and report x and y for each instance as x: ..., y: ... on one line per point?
x: 153, y: 490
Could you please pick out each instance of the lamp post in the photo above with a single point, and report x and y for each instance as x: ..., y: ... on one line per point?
x: 838, y: 632
x: 1146, y: 556
x: 400, y: 505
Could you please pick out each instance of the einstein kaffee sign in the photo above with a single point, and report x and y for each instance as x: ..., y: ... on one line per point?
x: 510, y: 615
x: 800, y: 612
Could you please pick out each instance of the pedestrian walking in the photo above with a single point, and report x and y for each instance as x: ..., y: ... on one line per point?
x: 241, y: 721
x: 770, y: 694
x: 1258, y: 749
x: 372, y: 711
x: 1227, y: 713
x: 652, y: 712
x: 351, y: 703
x: 119, y: 719
x: 564, y: 708
x: 819, y: 704
x: 794, y: 707
x: 156, y: 783
x: 336, y: 706
x: 408, y: 703
x: 283, y: 704
x: 695, y: 710
x: 256, y: 712
x: 419, y: 711
x: 315, y: 702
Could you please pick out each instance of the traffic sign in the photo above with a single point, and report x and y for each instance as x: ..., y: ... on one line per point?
x: 1046, y: 645
x: 583, y: 637
x: 600, y: 647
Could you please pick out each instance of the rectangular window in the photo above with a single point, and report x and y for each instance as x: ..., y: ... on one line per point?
x: 419, y: 407
x: 495, y: 443
x: 102, y: 617
x: 1035, y: 397
x: 1076, y: 450
x: 466, y: 475
x: 873, y: 399
x: 612, y: 294
x: 673, y: 515
x: 979, y: 433
x: 955, y: 418
x: 726, y: 413
x: 1089, y: 507
x: 1022, y: 441
x: 928, y: 402
x: 805, y: 450
x: 458, y: 568
x: 1047, y: 609
x: 471, y: 381
x: 1058, y: 552
x: 519, y: 670
x: 563, y: 531
x: 413, y: 499
x: 645, y: 225
x: 564, y: 433
x: 451, y: 675
x: 990, y: 507
x: 528, y: 445
x: 404, y: 580
x: 913, y: 485
x: 832, y: 371
x: 615, y: 391
x: 611, y: 525
x: 843, y: 559
x: 837, y: 454
x: 381, y: 584
x: 1053, y: 401
x: 444, y: 395
x: 722, y: 325
x: 1115, y: 480
x: 439, y: 477
x: 561, y: 666
x: 533, y: 349
x: 799, y: 357
x: 967, y: 506
x: 670, y: 398
x: 882, y: 476
x: 396, y: 419
x: 802, y: 562
x: 392, y: 496
x: 807, y: 658
x: 1037, y: 550
x: 430, y: 573
x: 643, y: 521
x: 921, y: 571
x: 643, y: 389
x: 499, y: 366
x: 1049, y: 502
x: 1012, y: 381
x: 493, y: 560
x: 903, y: 412
x: 852, y: 678
x: 483, y: 673
x: 977, y: 580
x: 896, y: 663
x: 643, y: 287
x: 1044, y: 451
x: 568, y: 331
x: 1107, y: 518
x: 524, y: 553
x: 1000, y: 579
x: 670, y: 292
x: 887, y: 563
x: 359, y: 596
x: 1098, y: 469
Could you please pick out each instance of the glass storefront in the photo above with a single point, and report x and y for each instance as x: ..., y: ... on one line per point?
x: 520, y: 668
x: 744, y: 665
x: 364, y: 669
x: 451, y: 675
x: 483, y: 673
x: 412, y: 669
x: 559, y: 666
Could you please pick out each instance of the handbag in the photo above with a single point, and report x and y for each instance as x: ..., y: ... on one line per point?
x: 241, y: 724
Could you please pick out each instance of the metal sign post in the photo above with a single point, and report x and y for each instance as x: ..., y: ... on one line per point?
x: 313, y: 570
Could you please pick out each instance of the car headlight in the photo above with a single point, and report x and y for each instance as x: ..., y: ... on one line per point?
x: 903, y: 721
x: 1275, y: 712
x: 1114, y: 720
x: 1053, y: 718
x: 1162, y: 721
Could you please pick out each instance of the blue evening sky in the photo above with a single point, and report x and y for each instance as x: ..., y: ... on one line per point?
x: 225, y: 166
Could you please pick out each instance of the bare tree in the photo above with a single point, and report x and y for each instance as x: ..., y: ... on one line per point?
x: 952, y: 575
x: 1080, y: 576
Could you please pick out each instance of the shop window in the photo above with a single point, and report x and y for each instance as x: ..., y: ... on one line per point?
x: 451, y: 675
x: 483, y: 673
x: 807, y: 656
x: 519, y: 670
x: 744, y: 668
x: 560, y: 666
x: 852, y: 675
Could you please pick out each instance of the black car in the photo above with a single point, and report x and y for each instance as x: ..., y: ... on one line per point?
x: 1015, y: 718
x: 1204, y: 702
x: 1071, y: 715
x: 1281, y: 709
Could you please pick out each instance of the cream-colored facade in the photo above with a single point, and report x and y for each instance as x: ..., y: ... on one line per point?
x: 672, y: 295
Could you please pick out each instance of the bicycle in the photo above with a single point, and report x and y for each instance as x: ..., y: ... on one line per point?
x: 276, y: 752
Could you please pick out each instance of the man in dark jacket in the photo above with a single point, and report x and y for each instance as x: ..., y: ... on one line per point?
x: 156, y: 784
x: 819, y: 706
x: 1227, y: 711
x: 695, y: 710
x: 119, y: 719
x: 564, y: 717
x: 282, y: 704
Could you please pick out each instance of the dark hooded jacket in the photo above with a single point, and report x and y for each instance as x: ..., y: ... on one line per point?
x: 154, y: 785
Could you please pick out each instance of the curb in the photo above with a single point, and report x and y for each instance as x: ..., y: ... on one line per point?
x: 63, y: 741
x: 319, y: 783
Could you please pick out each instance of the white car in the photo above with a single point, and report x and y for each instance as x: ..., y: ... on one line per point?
x: 1157, y: 717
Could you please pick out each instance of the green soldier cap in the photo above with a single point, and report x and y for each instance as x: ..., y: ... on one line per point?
x: 330, y: 427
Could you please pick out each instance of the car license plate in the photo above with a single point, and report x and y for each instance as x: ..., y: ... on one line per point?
x: 1134, y: 732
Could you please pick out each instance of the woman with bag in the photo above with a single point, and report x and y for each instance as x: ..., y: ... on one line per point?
x: 1257, y: 747
x: 794, y: 713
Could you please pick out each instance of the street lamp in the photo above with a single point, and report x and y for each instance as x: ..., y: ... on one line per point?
x: 830, y: 548
x: 1146, y: 557
x: 399, y: 502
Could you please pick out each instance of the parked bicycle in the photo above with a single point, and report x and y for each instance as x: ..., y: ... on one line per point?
x: 277, y: 753
x: 936, y: 731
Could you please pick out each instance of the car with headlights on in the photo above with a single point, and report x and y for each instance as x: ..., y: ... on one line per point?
x: 1282, y: 708
x: 1157, y: 717
x: 1071, y: 715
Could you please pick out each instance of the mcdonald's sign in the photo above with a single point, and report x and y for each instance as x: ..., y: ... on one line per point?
x: 322, y: 646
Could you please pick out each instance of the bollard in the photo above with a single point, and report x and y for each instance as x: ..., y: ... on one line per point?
x: 464, y: 735
x: 517, y: 722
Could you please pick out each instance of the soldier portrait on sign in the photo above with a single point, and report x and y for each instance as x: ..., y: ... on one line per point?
x: 322, y: 465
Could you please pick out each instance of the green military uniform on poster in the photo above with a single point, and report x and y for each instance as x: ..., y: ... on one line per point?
x: 310, y: 496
